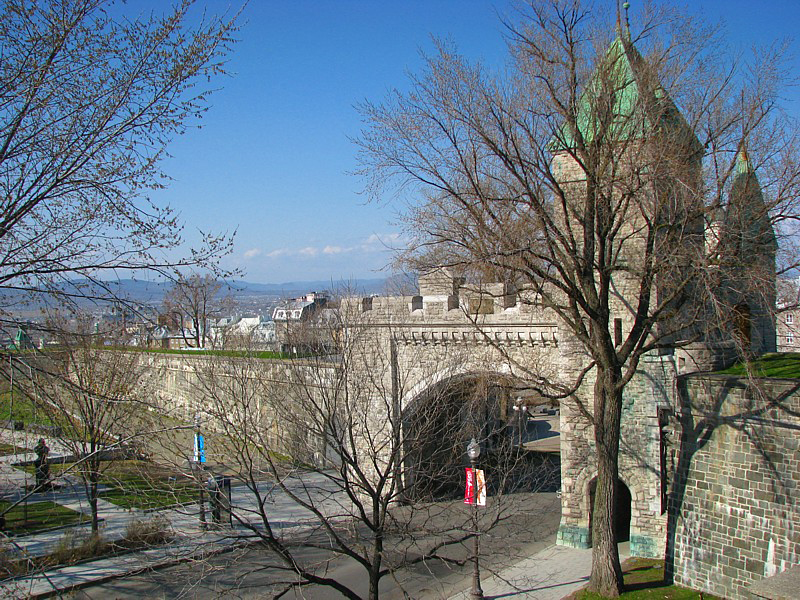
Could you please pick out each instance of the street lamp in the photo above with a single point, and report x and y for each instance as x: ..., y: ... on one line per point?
x: 473, y: 452
x: 521, y: 412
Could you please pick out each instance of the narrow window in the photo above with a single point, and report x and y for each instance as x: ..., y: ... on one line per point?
x: 742, y: 325
x: 664, y: 449
x: 617, y: 332
x: 416, y: 303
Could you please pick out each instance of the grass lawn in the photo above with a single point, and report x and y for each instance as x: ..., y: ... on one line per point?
x: 40, y: 515
x: 144, y: 485
x: 20, y: 409
x: 784, y: 365
x: 141, y: 484
x: 644, y: 580
x: 263, y: 354
x: 6, y: 449
x: 138, y: 484
x: 147, y: 495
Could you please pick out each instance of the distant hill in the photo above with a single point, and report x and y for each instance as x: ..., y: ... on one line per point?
x: 152, y: 292
x: 296, y: 288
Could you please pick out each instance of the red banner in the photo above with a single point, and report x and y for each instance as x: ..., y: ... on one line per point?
x: 476, y: 487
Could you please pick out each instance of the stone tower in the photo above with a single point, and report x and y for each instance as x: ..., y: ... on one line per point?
x: 626, y: 120
x: 747, y: 255
x: 626, y: 113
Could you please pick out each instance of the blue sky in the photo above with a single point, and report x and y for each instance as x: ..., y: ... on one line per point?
x: 273, y: 159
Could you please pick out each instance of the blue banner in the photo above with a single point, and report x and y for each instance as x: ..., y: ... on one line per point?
x: 199, y: 448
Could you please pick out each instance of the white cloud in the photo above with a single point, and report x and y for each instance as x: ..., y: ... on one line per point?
x: 377, y: 242
x: 335, y: 250
x: 383, y: 241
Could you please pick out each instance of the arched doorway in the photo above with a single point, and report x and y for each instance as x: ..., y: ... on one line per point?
x: 441, y: 421
x: 622, y: 510
x: 742, y: 325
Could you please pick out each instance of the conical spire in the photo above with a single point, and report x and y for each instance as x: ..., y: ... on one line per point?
x: 745, y: 188
x: 747, y: 218
x: 639, y: 105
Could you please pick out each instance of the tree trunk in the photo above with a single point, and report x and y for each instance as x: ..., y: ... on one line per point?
x: 375, y: 567
x: 93, y: 477
x: 606, y: 577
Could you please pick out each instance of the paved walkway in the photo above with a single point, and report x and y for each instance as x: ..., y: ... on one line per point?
x: 190, y: 540
x: 549, y: 575
x: 12, y: 480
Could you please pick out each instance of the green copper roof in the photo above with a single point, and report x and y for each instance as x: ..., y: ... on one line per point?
x: 745, y: 187
x: 743, y: 165
x: 622, y: 101
x: 747, y: 214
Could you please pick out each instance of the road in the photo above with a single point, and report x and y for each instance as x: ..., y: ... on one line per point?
x: 252, y: 573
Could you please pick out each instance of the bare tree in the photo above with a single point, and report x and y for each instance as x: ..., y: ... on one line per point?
x: 330, y: 432
x: 89, y: 100
x: 611, y: 177
x: 194, y: 299
x: 96, y: 396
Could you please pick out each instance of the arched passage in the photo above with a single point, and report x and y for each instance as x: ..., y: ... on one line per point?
x: 622, y: 512
x: 440, y: 422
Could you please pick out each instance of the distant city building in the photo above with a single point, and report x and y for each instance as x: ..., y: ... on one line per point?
x: 787, y: 318
x: 297, y: 323
x: 243, y: 332
x: 162, y: 337
x: 299, y: 309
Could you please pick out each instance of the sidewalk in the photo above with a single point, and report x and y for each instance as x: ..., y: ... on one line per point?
x: 12, y: 480
x: 191, y: 541
x: 551, y: 574
x: 50, y: 583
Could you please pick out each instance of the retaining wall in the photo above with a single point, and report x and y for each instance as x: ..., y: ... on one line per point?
x: 735, y: 501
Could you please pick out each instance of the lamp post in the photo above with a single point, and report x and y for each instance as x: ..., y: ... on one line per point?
x: 521, y: 412
x: 473, y: 452
x: 11, y: 391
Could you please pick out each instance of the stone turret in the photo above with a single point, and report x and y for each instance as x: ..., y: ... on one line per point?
x: 440, y: 282
x: 647, y: 171
x: 748, y: 227
x: 748, y: 248
x: 626, y: 120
